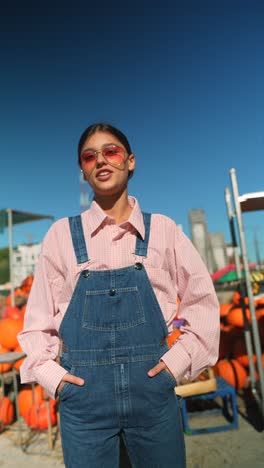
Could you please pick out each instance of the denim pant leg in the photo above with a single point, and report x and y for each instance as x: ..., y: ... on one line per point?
x: 90, y: 449
x: 160, y: 445
x: 89, y: 428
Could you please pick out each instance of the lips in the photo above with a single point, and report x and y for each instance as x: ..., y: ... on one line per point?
x: 103, y: 174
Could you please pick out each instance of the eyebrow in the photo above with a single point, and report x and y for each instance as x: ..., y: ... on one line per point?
x: 103, y: 146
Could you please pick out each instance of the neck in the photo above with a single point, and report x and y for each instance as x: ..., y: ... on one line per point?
x: 116, y: 206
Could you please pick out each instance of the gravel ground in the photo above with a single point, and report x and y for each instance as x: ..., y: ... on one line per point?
x: 233, y: 448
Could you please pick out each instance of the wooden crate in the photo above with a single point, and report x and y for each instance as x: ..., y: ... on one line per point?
x: 205, y: 383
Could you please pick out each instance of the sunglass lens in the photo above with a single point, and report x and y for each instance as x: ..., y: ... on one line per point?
x: 114, y: 155
x: 88, y: 158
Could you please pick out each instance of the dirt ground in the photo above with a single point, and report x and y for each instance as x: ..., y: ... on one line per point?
x: 232, y: 448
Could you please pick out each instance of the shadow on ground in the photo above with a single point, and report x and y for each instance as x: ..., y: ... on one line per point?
x: 251, y: 411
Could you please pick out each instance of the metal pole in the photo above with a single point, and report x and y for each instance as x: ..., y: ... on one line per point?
x: 10, y: 237
x: 231, y: 218
x: 258, y: 259
x: 255, y: 330
x: 17, y: 407
x: 248, y: 340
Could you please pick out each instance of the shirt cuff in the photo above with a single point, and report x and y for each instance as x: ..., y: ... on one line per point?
x: 49, y: 375
x: 178, y: 361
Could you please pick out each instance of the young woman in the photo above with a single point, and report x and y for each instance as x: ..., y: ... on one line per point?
x: 106, y: 290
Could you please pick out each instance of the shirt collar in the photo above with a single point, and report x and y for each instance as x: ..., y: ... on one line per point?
x: 136, y: 217
x: 98, y: 216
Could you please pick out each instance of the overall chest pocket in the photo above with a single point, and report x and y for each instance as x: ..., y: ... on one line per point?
x: 113, y: 309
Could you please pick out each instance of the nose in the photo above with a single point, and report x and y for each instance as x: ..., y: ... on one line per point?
x: 100, y: 159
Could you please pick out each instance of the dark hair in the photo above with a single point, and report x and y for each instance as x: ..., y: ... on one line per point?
x: 107, y: 128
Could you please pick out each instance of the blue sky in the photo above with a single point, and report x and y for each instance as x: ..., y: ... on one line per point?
x: 183, y: 80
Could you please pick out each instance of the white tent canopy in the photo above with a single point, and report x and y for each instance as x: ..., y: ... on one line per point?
x: 10, y: 217
x: 251, y: 201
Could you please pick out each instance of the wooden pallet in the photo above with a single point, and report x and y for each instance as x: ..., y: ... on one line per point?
x: 205, y: 383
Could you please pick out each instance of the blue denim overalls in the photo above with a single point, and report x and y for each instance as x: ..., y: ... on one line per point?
x: 113, y: 332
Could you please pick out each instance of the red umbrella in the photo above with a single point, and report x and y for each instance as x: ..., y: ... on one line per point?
x: 232, y: 267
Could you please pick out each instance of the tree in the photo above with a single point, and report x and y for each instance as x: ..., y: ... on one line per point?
x: 4, y: 265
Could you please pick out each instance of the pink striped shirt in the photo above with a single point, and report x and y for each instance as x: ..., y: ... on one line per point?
x: 173, y: 266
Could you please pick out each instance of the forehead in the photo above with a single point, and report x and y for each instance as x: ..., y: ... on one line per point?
x: 98, y: 139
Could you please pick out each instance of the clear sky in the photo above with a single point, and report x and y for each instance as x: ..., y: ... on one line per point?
x: 184, y: 80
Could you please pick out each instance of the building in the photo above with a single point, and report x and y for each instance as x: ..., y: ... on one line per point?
x: 219, y: 249
x: 211, y: 246
x: 25, y: 258
x: 201, y: 239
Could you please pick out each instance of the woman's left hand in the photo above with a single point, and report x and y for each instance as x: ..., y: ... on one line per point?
x: 158, y: 368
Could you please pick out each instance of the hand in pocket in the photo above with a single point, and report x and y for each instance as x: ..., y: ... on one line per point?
x: 71, y: 379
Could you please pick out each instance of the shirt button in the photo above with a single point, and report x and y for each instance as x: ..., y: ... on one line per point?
x: 138, y: 266
x: 112, y: 292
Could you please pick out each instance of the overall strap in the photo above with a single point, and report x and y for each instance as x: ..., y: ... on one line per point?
x: 78, y: 239
x: 142, y: 245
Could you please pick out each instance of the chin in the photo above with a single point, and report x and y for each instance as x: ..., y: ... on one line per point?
x: 109, y: 191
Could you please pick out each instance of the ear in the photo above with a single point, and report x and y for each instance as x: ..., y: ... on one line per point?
x: 83, y: 175
x: 131, y: 162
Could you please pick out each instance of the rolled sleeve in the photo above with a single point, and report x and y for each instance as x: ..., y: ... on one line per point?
x: 39, y: 338
x: 198, y: 345
x: 48, y: 375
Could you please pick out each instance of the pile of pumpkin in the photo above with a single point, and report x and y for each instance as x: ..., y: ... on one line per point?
x: 233, y: 363
x: 32, y: 402
x: 21, y: 293
x: 34, y: 407
x: 12, y: 323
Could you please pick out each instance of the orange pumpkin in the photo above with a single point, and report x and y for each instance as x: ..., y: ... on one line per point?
x: 249, y: 376
x: 236, y: 298
x: 260, y: 301
x: 226, y: 341
x: 259, y: 313
x: 233, y: 331
x: 18, y: 363
x: 232, y: 372
x: 178, y: 305
x: 9, y: 329
x: 4, y: 312
x: 228, y: 335
x: 173, y: 337
x: 256, y: 369
x: 235, y: 317
x: 261, y: 329
x: 6, y: 411
x: 27, y: 284
x: 19, y: 297
x: 6, y: 366
x: 240, y: 352
x: 224, y: 309
x: 37, y: 418
x: 25, y: 398
x: 13, y: 312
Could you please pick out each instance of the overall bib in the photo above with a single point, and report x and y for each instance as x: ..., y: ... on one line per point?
x: 113, y: 332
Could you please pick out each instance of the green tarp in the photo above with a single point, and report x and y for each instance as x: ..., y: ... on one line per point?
x: 255, y: 276
x: 229, y: 276
x: 19, y: 217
